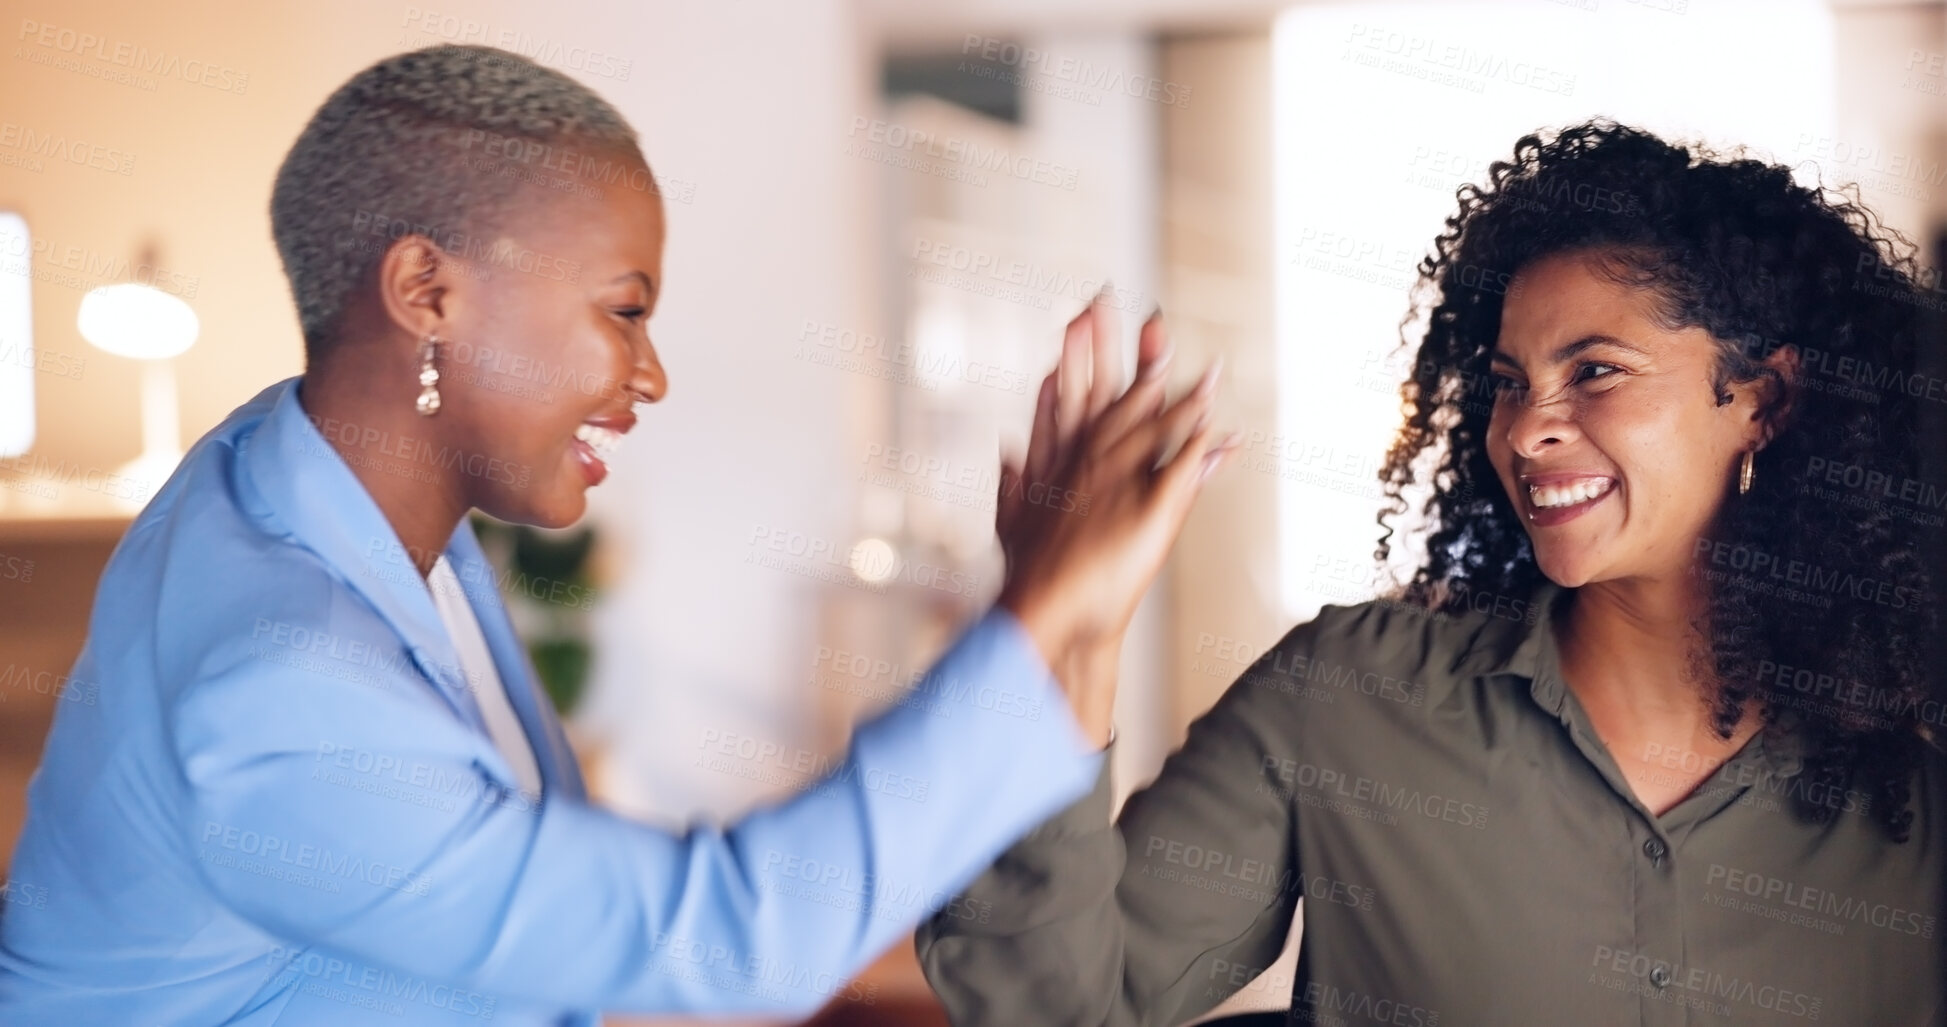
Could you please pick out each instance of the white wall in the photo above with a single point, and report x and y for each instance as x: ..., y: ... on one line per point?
x: 1113, y: 226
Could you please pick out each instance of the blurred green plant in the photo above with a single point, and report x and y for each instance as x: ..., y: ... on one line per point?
x: 548, y: 594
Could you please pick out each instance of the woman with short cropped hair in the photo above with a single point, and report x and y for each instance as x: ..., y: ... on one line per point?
x: 320, y: 787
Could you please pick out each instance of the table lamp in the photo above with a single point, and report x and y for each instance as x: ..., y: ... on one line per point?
x: 144, y: 323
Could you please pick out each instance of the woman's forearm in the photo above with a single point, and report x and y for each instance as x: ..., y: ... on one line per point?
x: 1084, y: 922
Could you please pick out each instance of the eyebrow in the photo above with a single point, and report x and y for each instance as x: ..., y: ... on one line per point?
x: 647, y: 282
x: 1573, y: 349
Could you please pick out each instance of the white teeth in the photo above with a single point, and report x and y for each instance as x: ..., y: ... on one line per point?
x: 601, y: 440
x: 1546, y: 496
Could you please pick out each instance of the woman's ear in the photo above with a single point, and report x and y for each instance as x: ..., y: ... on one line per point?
x: 414, y: 279
x: 1778, y: 391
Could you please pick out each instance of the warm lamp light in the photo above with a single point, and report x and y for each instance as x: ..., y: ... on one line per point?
x: 144, y: 323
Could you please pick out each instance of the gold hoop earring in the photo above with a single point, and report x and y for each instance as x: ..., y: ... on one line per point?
x: 1746, y: 473
x: 428, y: 404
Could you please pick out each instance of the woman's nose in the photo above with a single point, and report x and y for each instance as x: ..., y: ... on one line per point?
x: 1533, y: 425
x: 647, y: 379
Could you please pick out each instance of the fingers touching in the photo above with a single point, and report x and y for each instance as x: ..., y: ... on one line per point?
x: 1148, y: 438
x: 1084, y: 395
x: 1144, y: 398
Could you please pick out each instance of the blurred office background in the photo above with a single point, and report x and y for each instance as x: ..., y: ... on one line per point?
x: 881, y: 214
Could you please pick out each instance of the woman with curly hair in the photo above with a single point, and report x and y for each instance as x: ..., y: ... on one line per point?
x: 1646, y: 738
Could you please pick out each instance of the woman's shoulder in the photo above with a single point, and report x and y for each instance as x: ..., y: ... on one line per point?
x: 201, y: 545
x: 1480, y: 634
x: 200, y: 582
x: 1390, y: 653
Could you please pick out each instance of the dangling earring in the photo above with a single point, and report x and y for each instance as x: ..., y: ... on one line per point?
x: 428, y: 377
x: 1745, y: 474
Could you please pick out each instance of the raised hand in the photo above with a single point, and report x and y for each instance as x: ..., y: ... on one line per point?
x: 1088, y: 517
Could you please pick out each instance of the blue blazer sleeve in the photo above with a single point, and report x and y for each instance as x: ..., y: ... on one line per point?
x: 354, y: 817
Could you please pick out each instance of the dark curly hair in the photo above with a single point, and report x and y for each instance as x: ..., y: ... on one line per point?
x: 1736, y: 247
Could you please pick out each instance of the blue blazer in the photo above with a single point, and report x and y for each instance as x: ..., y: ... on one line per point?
x: 269, y: 797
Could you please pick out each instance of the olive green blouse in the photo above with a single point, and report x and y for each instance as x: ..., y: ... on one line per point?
x: 1469, y: 852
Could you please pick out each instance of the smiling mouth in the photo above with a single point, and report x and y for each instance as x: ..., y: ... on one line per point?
x: 602, y: 440
x: 1563, y: 494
